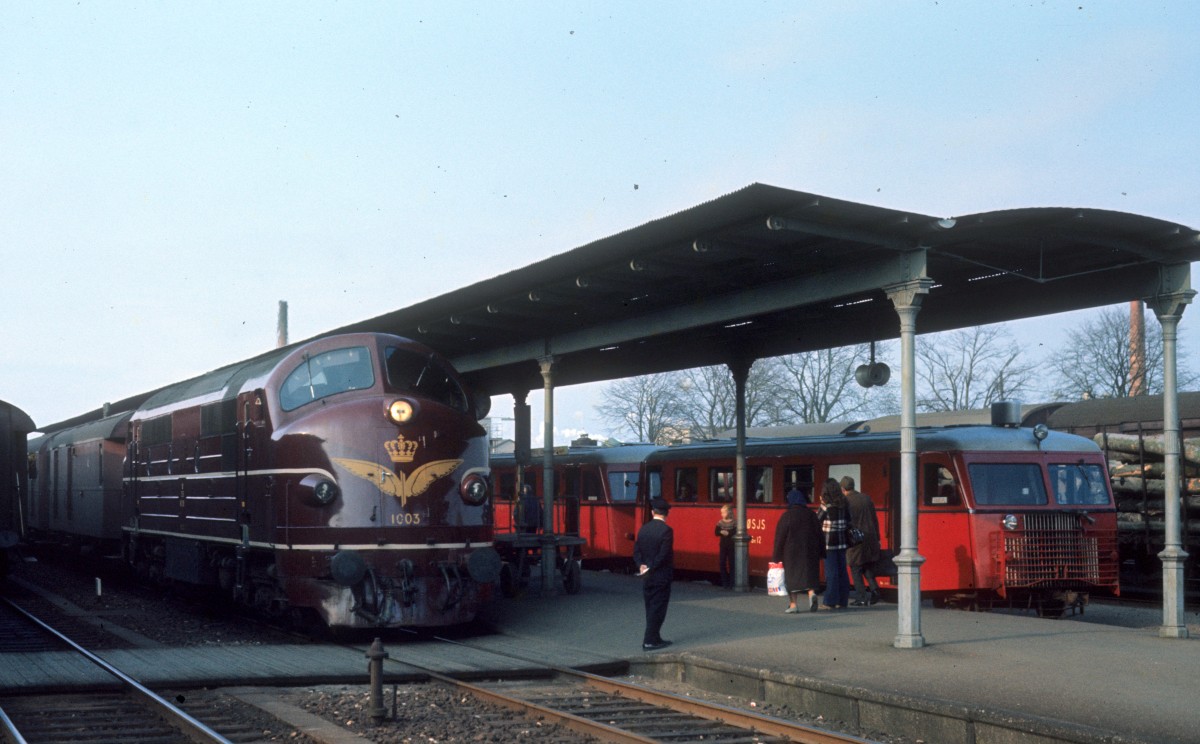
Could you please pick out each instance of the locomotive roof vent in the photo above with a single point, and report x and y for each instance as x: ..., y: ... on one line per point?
x: 1006, y: 413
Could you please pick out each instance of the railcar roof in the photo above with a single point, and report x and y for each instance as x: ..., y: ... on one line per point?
x: 620, y: 454
x: 967, y: 438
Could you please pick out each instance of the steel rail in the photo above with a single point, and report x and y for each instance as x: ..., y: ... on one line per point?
x: 190, y: 725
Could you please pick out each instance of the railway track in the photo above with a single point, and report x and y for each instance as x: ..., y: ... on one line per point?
x: 618, y: 711
x: 129, y: 713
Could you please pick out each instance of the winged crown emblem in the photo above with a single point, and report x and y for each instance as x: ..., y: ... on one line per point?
x: 396, y: 484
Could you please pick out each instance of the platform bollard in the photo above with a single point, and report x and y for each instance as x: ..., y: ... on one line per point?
x: 376, y: 654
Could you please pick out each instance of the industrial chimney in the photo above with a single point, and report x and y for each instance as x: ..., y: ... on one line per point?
x: 281, y: 331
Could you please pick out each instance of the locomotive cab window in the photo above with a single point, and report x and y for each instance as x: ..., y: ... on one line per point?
x: 424, y: 375
x: 1078, y: 485
x: 938, y: 486
x: 326, y: 374
x: 1007, y: 484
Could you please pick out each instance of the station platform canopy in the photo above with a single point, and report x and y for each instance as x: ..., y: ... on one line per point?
x: 766, y: 271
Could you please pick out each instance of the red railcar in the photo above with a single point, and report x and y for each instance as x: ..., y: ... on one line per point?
x: 1003, y: 517
x: 343, y: 477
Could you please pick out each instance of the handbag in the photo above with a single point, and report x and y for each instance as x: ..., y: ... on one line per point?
x: 854, y: 536
x: 775, y: 581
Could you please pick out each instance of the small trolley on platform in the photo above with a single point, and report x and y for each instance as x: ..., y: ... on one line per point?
x: 523, y: 552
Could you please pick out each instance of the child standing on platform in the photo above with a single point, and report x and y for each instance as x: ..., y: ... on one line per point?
x: 724, y: 531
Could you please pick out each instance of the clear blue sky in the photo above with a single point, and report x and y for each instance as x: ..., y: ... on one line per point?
x: 169, y: 172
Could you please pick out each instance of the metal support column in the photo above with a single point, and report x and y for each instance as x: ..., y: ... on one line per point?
x: 741, y: 539
x: 548, y: 485
x: 907, y: 297
x: 1169, y: 307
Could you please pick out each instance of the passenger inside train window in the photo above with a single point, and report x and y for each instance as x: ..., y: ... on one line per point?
x: 685, y: 484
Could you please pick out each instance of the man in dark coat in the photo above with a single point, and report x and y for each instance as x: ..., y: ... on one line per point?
x: 654, y: 554
x: 799, y: 545
x: 862, y: 557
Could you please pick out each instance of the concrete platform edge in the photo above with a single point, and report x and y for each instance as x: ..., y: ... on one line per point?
x: 922, y: 718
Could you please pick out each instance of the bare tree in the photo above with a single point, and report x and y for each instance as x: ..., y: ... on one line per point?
x: 819, y: 386
x: 1096, y: 361
x: 646, y: 407
x: 971, y: 368
x: 708, y: 398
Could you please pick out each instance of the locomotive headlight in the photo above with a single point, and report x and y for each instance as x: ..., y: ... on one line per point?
x: 318, y: 490
x: 1009, y: 522
x: 401, y: 411
x: 474, y: 487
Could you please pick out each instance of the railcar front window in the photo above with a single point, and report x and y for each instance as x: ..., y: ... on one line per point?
x: 423, y: 375
x: 1078, y: 485
x: 325, y: 374
x: 1007, y: 484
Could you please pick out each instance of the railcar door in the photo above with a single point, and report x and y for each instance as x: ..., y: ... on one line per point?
x: 624, y: 497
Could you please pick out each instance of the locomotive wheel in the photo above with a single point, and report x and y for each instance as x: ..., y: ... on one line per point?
x: 572, y: 576
x: 508, y: 582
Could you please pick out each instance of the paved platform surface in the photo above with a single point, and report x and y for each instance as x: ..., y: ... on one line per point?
x: 1125, y: 682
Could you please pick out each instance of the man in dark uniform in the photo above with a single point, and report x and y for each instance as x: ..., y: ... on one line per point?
x: 654, y: 554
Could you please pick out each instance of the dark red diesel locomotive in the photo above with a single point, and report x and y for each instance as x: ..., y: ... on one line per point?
x: 344, y: 477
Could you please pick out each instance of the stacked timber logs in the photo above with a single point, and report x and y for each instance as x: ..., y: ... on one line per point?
x: 1135, y: 465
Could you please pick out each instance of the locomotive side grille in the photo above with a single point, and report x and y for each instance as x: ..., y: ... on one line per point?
x: 1053, y: 551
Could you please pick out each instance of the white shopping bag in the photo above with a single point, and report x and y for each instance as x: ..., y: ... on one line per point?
x: 775, y: 583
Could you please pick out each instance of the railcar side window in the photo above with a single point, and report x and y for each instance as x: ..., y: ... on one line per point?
x: 654, y: 484
x: 939, y: 488
x: 799, y: 477
x: 759, y: 482
x: 623, y: 486
x: 721, y: 486
x: 1078, y: 484
x: 326, y: 374
x: 424, y: 375
x: 1005, y: 484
